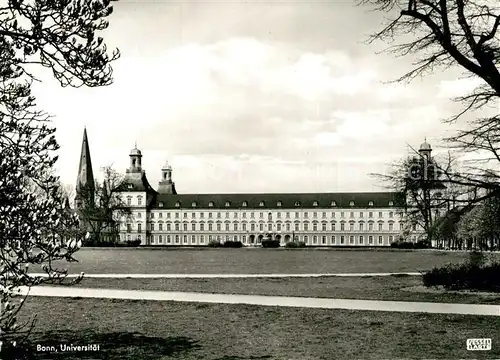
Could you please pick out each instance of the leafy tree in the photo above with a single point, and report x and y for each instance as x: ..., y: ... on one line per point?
x: 59, y: 35
x: 103, y: 213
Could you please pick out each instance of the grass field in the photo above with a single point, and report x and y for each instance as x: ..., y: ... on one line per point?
x: 263, y: 261
x: 127, y: 330
x: 369, y: 288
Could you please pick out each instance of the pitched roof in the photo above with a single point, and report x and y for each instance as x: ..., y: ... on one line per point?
x: 137, y: 181
x: 85, y: 173
x: 271, y: 201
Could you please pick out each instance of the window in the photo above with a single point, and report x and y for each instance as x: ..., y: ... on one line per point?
x: 160, y: 204
x: 177, y: 227
x: 315, y: 239
x: 323, y: 239
x: 297, y: 215
x: 202, y: 227
x: 160, y: 239
x: 193, y: 239
x: 193, y: 204
x: 228, y: 204
x: 244, y: 204
x: 129, y: 201
x: 261, y: 215
x: 244, y: 227
x: 341, y: 214
x: 235, y: 215
x: 315, y: 203
x: 210, y: 227
x: 244, y: 238
x: 209, y: 215
x: 244, y: 215
x: 252, y: 215
x: 169, y: 227
x: 370, y: 226
x: 333, y: 226
x: 296, y: 226
x: 152, y: 215
x: 401, y: 227
x: 351, y: 203
x: 278, y: 204
x: 315, y: 227
x: 391, y: 203
x: 139, y: 227
x: 297, y: 203
x: 202, y: 239
x: 193, y: 227
x: 168, y: 215
x: 193, y: 215
x: 177, y: 204
x: 380, y: 214
x: 391, y: 214
x: 252, y: 227
x: 333, y: 239
x: 287, y: 215
x: 370, y: 203
x: 361, y: 226
x: 370, y: 239
x: 306, y: 239
x: 185, y: 227
x: 361, y: 214
x: 269, y: 227
x: 185, y: 215
x: 333, y: 214
x: 361, y: 239
x: 139, y: 215
x: 185, y: 238
x: 177, y: 239
x: 315, y: 214
x: 306, y: 215
x: 323, y: 227
x: 160, y: 227
x: 390, y: 239
x: 324, y: 215
x: 278, y: 227
x: 202, y: 215
x: 342, y: 240
x: 278, y: 214
x: 219, y: 215
x: 130, y: 186
x: 306, y: 227
x: 342, y: 227
x: 152, y: 227
x: 211, y: 204
x: 288, y: 227
x: 391, y: 226
x: 380, y: 226
x: 261, y: 204
x: 380, y: 240
x: 235, y: 227
x: 261, y: 227
x: 227, y: 215
x: 370, y: 214
x: 333, y: 203
x: 177, y: 215
x: 139, y: 200
x: 351, y: 240
x: 218, y: 227
x: 352, y: 214
x: 351, y: 226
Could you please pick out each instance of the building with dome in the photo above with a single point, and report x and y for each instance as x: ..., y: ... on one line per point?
x: 164, y: 217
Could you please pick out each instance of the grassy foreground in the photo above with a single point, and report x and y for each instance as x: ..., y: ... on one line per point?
x: 368, y: 288
x: 257, y: 261
x: 127, y: 330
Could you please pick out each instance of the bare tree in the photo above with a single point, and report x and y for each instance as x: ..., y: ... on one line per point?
x: 443, y: 34
x: 102, y: 215
x: 59, y: 35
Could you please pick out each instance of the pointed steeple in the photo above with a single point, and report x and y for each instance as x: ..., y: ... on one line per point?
x: 85, y: 174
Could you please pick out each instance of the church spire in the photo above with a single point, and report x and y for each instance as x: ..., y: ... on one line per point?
x: 85, y: 174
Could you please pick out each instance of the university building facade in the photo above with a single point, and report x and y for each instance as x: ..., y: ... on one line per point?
x: 162, y: 217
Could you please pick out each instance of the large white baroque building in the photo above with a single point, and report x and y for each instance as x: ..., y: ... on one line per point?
x: 163, y: 217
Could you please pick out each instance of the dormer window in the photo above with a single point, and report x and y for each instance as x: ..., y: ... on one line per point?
x: 228, y: 204
x: 351, y: 203
x: 194, y: 204
x: 261, y: 203
x: 315, y: 203
x: 177, y: 204
x: 160, y: 204
x: 391, y: 203
x: 333, y: 203
x: 279, y: 204
x: 297, y: 203
x: 245, y: 204
x: 370, y: 203
x: 130, y: 186
x: 211, y: 204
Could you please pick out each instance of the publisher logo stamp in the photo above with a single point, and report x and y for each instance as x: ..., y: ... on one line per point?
x: 478, y: 344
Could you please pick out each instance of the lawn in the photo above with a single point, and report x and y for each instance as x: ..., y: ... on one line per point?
x: 263, y: 261
x: 368, y: 288
x: 127, y: 330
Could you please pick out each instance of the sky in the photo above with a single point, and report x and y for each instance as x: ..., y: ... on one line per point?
x: 251, y: 97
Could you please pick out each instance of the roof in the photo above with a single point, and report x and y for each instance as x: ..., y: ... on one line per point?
x: 272, y: 201
x: 137, y: 181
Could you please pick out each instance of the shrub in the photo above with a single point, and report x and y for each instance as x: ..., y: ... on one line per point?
x: 214, y: 244
x: 294, y: 245
x: 467, y: 276
x: 423, y: 244
x: 133, y: 243
x: 232, y: 244
x: 270, y: 243
x: 402, y: 245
